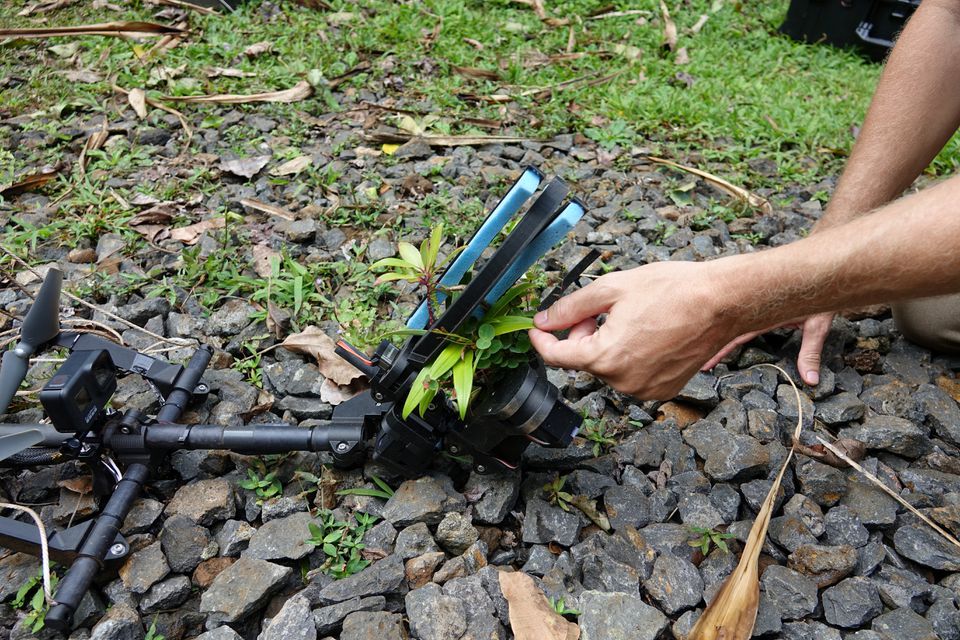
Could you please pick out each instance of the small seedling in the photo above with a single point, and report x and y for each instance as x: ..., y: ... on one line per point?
x: 556, y: 495
x: 341, y: 543
x: 600, y: 433
x: 30, y: 596
x: 706, y: 537
x: 562, y: 609
x: 266, y: 487
x: 152, y: 633
x: 384, y: 491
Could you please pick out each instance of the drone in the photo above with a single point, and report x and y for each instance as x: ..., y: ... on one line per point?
x: 123, y: 447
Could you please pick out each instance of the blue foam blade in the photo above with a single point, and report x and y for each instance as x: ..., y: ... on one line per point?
x: 550, y: 236
x: 521, y: 191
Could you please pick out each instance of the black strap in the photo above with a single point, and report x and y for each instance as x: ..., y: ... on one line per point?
x: 568, y: 280
x: 538, y: 217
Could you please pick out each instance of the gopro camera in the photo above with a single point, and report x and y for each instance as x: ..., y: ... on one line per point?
x: 76, y: 396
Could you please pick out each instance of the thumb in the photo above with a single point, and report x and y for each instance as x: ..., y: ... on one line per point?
x: 815, y: 331
x: 594, y: 299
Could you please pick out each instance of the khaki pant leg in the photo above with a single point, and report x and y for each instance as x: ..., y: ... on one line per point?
x: 933, y: 323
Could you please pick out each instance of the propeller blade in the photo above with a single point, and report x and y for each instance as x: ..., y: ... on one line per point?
x: 14, y: 443
x: 42, y: 322
x: 12, y: 372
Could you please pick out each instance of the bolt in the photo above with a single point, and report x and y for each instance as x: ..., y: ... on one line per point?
x: 342, y: 446
x: 432, y: 407
x: 481, y: 468
x: 378, y: 396
x: 118, y: 549
x: 201, y: 388
x: 454, y: 449
x: 124, y: 430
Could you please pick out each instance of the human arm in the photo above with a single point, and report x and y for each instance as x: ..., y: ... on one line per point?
x: 914, y: 111
x: 664, y: 320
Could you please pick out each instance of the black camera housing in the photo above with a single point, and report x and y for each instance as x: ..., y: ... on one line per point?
x: 77, y: 395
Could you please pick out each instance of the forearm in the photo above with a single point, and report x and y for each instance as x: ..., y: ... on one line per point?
x: 915, y: 110
x: 909, y: 248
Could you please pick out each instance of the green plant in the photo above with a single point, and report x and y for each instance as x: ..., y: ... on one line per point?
x: 555, y: 493
x: 30, y: 596
x: 706, y: 537
x: 341, y: 542
x: 496, y: 340
x: 384, y: 491
x: 618, y: 132
x: 562, y: 609
x: 265, y: 487
x: 152, y: 633
x: 599, y: 432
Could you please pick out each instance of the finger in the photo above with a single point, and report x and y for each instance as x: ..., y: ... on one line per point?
x: 589, y: 302
x: 582, y: 329
x: 815, y: 331
x: 730, y: 346
x: 565, y: 354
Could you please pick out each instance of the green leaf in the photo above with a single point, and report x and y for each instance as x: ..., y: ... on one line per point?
x: 409, y: 253
x: 486, y: 331
x: 512, y: 293
x: 393, y: 275
x: 484, y: 343
x: 509, y: 324
x: 450, y: 355
x: 315, y: 531
x: 417, y: 391
x: 463, y: 382
x: 363, y: 491
x: 428, y: 398
x: 386, y: 489
x: 330, y: 550
x: 297, y: 294
x: 392, y: 262
x: 333, y: 537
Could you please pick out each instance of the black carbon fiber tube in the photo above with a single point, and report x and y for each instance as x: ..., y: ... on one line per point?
x: 253, y: 439
x: 89, y: 562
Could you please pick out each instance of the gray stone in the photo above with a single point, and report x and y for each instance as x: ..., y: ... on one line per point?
x: 220, y: 633
x: 433, y: 615
x: 425, y: 499
x: 455, y: 533
x: 618, y: 616
x: 669, y: 538
x: 498, y: 495
x: 903, y: 623
x: 902, y: 588
x: 383, y: 577
x: 787, y: 404
x: 841, y: 408
x: 790, y: 533
x: 675, y: 584
x: 591, y: 484
x: 714, y: 569
x: 120, y: 623
x: 825, y: 564
x: 626, y: 507
x: 544, y: 523
x: 185, y: 544
x: 241, y: 589
x: 768, y: 618
x: 739, y: 458
x: 808, y: 631
x: 144, y: 568
x: 697, y: 510
x: 925, y: 546
x: 481, y: 610
x: 283, y: 506
x: 293, y: 378
x: 328, y: 620
x: 415, y: 541
x: 142, y: 516
x: 700, y: 390
x: 603, y: 573
x: 892, y: 434
x: 15, y: 569
x: 808, y: 511
x: 282, y: 539
x: 851, y: 603
x: 944, y: 616
x: 169, y: 594
x: 871, y: 504
x: 373, y: 625
x: 204, y: 502
x: 304, y: 408
x: 379, y: 539
x: 943, y: 414
x: 292, y: 622
x: 821, y: 483
x: 793, y: 594
x: 229, y: 320
x: 300, y: 230
x: 539, y: 561
x: 233, y: 537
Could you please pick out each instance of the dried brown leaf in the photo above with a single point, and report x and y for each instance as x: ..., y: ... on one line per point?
x: 476, y: 44
x: 120, y: 29
x: 182, y: 4
x: 399, y: 137
x: 138, y: 100
x: 531, y: 616
x: 314, y: 342
x: 682, y: 56
x: 262, y: 254
x: 737, y: 192
x: 94, y: 142
x: 29, y: 183
x: 43, y: 7
x: 191, y: 233
x: 263, y: 207
x: 334, y: 394
x: 698, y: 25
x: 292, y: 167
x: 589, y: 509
x: 264, y: 403
x: 296, y: 93
x: 228, y: 72
x: 669, y: 28
x: 80, y: 484
x: 474, y: 72
x: 244, y: 167
x: 82, y: 76
x: 258, y: 48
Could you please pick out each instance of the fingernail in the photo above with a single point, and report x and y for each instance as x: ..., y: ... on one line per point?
x: 540, y: 318
x: 813, y: 377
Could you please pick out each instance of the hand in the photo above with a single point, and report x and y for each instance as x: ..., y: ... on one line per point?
x: 664, y: 320
x: 815, y: 330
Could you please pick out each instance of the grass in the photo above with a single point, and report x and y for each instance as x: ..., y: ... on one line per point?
x: 747, y: 93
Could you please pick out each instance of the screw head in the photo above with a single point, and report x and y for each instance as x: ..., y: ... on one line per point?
x: 454, y: 449
x: 481, y: 468
x: 118, y: 549
x: 342, y: 446
x: 201, y: 388
x: 378, y: 396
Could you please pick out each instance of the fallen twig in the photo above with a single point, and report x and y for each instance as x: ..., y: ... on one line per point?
x: 399, y: 137
x: 738, y: 192
x: 117, y: 29
x: 296, y: 93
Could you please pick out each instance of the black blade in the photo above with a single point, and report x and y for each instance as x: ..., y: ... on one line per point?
x: 14, y: 443
x: 42, y: 323
x: 12, y: 372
